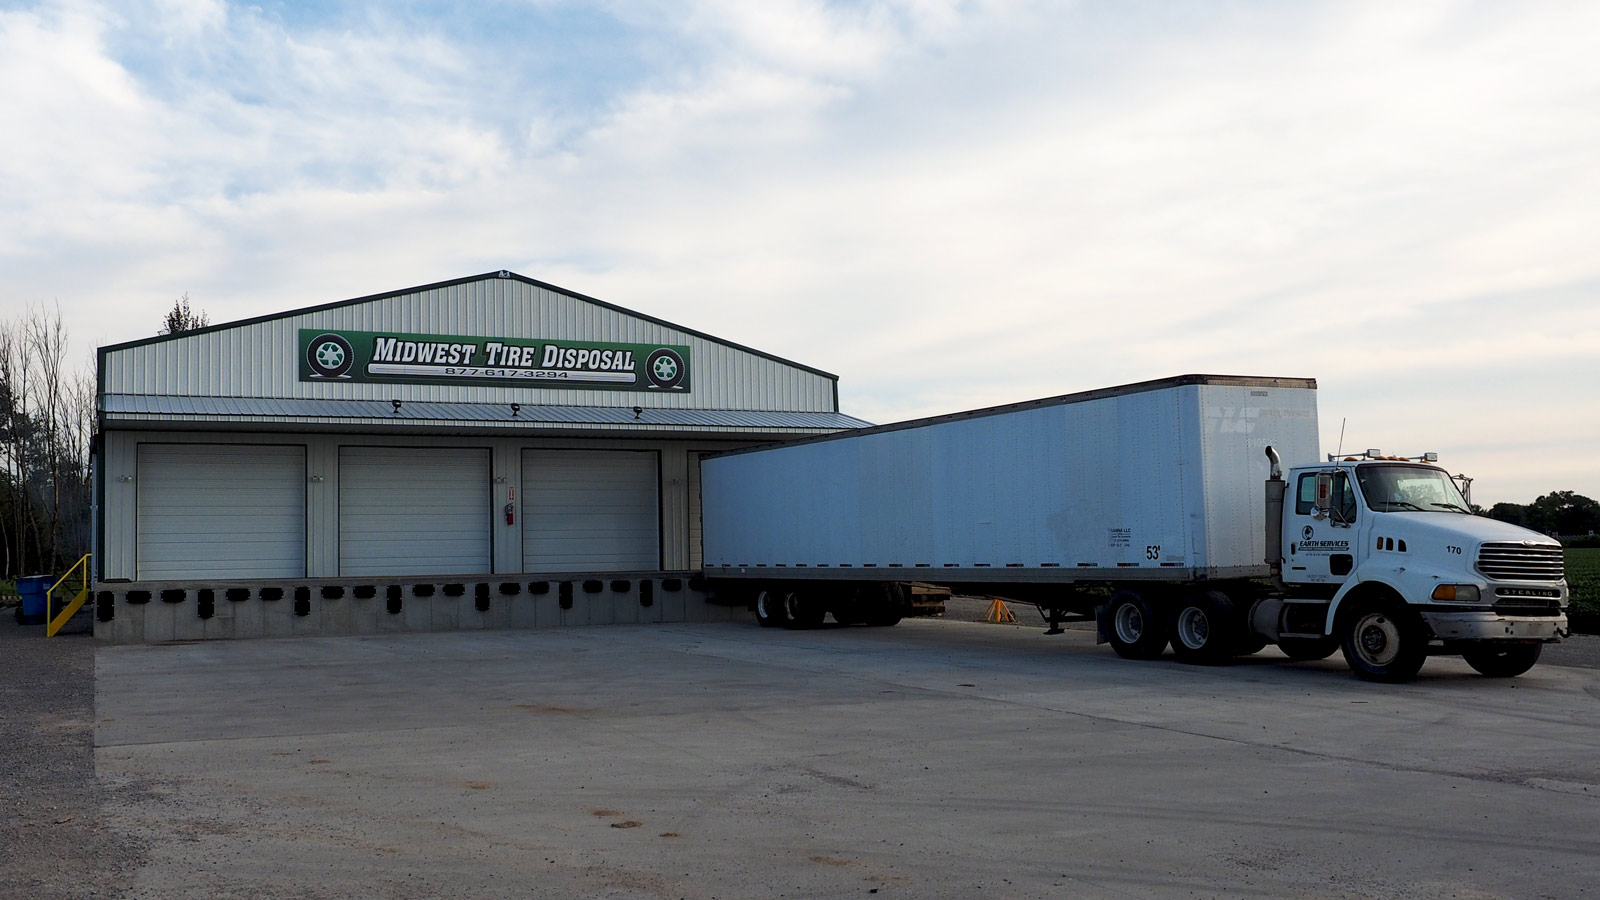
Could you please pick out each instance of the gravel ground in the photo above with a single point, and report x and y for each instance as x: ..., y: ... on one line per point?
x: 53, y: 843
x: 1580, y: 650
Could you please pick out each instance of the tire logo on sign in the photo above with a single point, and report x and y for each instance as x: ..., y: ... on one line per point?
x: 330, y: 356
x: 665, y: 369
x: 1307, y: 533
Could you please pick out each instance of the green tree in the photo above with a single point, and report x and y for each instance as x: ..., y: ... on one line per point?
x: 1515, y: 513
x: 1565, y: 512
x: 1558, y: 512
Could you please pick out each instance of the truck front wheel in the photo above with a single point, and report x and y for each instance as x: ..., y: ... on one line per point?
x: 1383, y: 641
x: 1206, y: 630
x: 1134, y: 629
x: 1502, y: 660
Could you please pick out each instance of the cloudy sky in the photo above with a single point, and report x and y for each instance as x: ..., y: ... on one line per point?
x: 949, y: 204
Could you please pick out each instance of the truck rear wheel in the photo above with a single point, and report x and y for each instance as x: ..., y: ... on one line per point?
x: 1383, y: 641
x: 771, y: 609
x: 1206, y: 629
x: 1502, y: 660
x: 1134, y: 629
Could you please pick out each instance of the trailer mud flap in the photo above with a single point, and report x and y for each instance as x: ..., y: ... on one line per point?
x: 1101, y: 635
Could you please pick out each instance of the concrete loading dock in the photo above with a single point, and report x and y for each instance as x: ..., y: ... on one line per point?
x: 475, y: 453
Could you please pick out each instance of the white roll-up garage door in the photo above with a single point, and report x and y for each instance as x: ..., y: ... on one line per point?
x: 221, y: 511
x: 590, y: 511
x: 414, y: 511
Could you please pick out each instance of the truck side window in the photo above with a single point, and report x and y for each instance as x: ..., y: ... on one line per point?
x: 1344, y: 498
x: 1306, y: 496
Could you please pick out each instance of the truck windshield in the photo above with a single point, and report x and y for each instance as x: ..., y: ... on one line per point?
x: 1409, y: 488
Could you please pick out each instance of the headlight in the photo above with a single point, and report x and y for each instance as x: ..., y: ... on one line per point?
x: 1456, y: 593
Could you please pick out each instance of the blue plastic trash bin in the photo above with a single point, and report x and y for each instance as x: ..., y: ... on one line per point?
x: 31, y: 588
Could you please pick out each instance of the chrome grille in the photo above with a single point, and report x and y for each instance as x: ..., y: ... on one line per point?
x: 1527, y: 606
x: 1507, y: 561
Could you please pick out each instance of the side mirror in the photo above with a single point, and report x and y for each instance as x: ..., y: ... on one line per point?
x: 1323, y: 508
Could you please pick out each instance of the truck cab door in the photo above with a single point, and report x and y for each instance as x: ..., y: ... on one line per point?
x: 1319, y: 535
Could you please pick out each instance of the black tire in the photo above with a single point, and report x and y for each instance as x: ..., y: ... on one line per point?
x: 804, y: 610
x: 1135, y: 629
x: 1502, y: 660
x: 1308, y: 649
x: 1206, y: 629
x: 330, y: 356
x: 771, y: 609
x: 1383, y: 641
x: 664, y: 369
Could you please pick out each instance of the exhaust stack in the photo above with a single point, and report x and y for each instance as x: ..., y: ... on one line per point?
x: 1275, y: 490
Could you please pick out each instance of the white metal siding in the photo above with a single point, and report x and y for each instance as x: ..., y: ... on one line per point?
x: 413, y: 511
x: 221, y: 511
x: 262, y: 359
x: 591, y: 511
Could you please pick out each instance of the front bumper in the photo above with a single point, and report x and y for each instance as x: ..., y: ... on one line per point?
x: 1491, y: 626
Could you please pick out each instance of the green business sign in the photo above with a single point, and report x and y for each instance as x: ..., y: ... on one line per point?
x: 391, y: 357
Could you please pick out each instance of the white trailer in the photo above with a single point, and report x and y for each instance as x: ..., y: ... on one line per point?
x: 1141, y: 505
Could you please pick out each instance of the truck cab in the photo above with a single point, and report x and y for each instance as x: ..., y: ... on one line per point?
x: 1384, y: 556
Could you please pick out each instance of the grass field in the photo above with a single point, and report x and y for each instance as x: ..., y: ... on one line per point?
x: 1583, y: 582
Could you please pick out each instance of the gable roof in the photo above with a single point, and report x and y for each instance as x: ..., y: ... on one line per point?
x: 487, y: 276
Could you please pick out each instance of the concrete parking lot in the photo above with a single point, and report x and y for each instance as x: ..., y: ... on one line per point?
x: 934, y: 759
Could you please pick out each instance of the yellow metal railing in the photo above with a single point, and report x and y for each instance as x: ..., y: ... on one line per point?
x: 53, y: 622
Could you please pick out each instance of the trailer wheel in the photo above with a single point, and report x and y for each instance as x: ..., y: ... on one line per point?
x: 1136, y: 631
x: 1308, y: 649
x: 803, y: 610
x: 771, y: 610
x: 1206, y: 630
x: 1384, y: 641
x: 1504, y: 660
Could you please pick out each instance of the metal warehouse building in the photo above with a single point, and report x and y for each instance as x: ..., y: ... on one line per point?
x: 487, y: 452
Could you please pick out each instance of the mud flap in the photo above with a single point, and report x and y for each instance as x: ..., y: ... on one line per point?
x: 1100, y: 628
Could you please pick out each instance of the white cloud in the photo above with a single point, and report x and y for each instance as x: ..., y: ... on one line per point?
x: 949, y: 204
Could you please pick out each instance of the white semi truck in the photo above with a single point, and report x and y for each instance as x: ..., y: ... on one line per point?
x: 1161, y: 509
